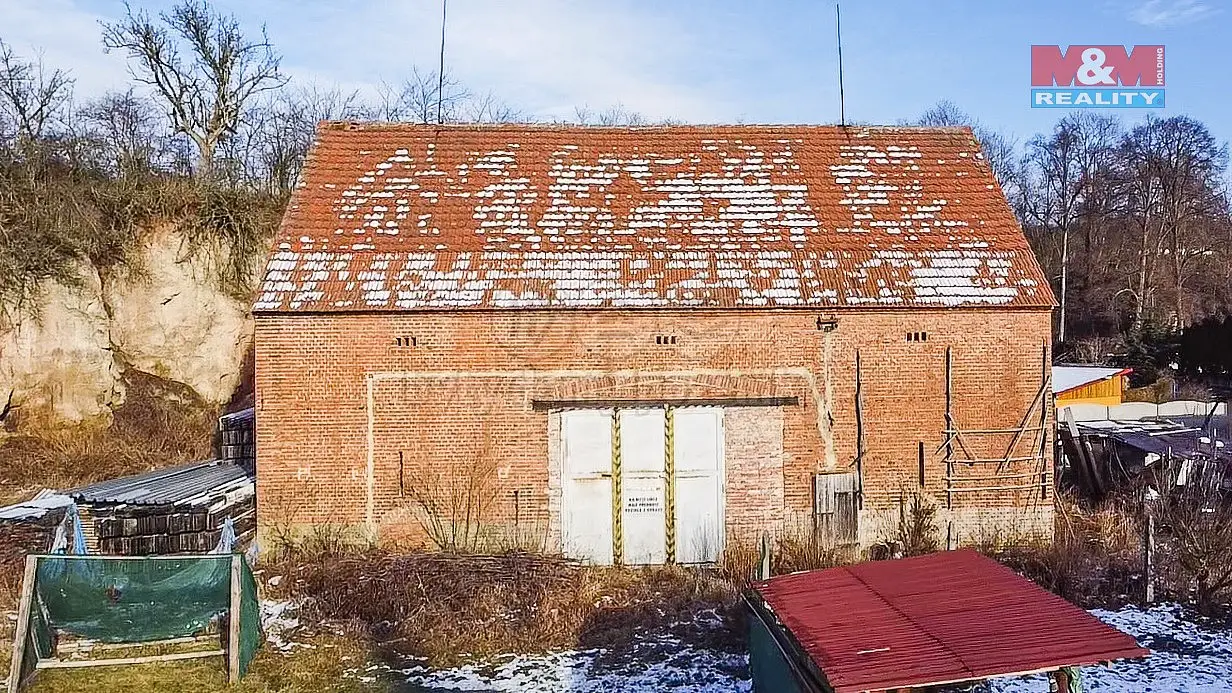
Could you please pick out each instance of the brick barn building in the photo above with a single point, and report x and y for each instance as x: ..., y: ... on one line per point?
x: 641, y: 344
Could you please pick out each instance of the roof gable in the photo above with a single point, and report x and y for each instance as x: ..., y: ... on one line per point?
x: 404, y: 217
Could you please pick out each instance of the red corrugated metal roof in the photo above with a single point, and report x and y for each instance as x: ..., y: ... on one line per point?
x: 941, y: 618
x: 405, y: 217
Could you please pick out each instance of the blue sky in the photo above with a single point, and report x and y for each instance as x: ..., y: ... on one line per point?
x: 720, y: 61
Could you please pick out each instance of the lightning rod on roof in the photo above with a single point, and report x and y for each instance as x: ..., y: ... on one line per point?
x: 440, y: 73
x: 838, y: 28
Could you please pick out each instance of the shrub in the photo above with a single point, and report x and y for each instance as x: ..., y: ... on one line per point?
x: 55, y: 217
x: 447, y: 608
x: 1094, y: 558
x: 916, y: 532
x: 1196, y: 527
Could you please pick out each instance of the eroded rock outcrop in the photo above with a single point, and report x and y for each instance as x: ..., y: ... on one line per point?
x: 56, y: 362
x: 63, y: 360
x: 176, y: 323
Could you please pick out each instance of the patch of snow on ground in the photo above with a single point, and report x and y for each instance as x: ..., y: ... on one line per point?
x: 686, y: 670
x: 1186, y: 657
x: 660, y: 661
x: 278, y: 620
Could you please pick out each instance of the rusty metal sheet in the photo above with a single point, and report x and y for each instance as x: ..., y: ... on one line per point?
x: 945, y: 617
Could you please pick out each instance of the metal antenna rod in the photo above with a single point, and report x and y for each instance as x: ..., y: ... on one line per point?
x: 440, y: 84
x: 838, y: 25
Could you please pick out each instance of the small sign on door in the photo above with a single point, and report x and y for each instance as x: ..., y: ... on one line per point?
x: 643, y: 504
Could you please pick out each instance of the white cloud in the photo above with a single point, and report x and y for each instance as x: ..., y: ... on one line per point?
x: 1169, y: 13
x: 543, y: 56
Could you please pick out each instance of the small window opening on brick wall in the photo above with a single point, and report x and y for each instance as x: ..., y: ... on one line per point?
x: 406, y: 341
x: 665, y: 339
x: 917, y: 336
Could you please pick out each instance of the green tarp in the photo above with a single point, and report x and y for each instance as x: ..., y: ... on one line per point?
x: 127, y: 600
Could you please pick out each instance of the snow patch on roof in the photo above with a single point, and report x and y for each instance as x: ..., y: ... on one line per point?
x: 558, y: 217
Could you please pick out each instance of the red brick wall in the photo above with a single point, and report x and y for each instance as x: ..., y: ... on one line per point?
x: 753, y: 479
x: 433, y: 417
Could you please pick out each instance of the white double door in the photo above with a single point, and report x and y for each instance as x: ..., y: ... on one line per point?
x: 624, y: 498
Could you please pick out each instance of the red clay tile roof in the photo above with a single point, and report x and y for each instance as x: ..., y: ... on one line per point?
x: 941, y: 618
x: 404, y: 217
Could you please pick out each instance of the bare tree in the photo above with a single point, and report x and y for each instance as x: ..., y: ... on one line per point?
x: 1055, y: 205
x: 31, y: 97
x: 615, y: 115
x: 1173, y: 173
x: 1191, y: 170
x: 1142, y: 188
x: 945, y: 113
x: 201, y: 65
x: 280, y: 132
x: 1097, y: 138
x: 423, y: 97
x: 128, y: 133
x: 1001, y: 152
x: 487, y: 108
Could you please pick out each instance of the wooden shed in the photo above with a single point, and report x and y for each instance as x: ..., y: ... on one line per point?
x: 1089, y: 385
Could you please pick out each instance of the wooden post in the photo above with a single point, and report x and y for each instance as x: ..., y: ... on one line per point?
x: 618, y: 539
x: 1085, y: 467
x: 921, y: 460
x: 950, y: 429
x: 1060, y: 681
x: 23, y: 624
x: 763, y: 565
x: 1047, y: 433
x: 669, y: 491
x: 1148, y: 555
x: 859, y: 434
x: 233, y: 621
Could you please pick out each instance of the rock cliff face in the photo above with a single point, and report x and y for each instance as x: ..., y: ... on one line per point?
x: 63, y: 361
x: 56, y: 363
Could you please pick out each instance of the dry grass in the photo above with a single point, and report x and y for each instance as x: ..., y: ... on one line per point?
x: 319, y: 668
x: 450, y: 608
x: 792, y: 550
x: 10, y: 590
x: 1094, y: 559
x: 161, y: 423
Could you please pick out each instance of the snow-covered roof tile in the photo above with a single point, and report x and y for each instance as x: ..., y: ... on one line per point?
x: 401, y: 217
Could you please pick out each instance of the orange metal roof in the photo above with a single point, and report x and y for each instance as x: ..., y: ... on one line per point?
x: 404, y: 217
x: 942, y: 618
